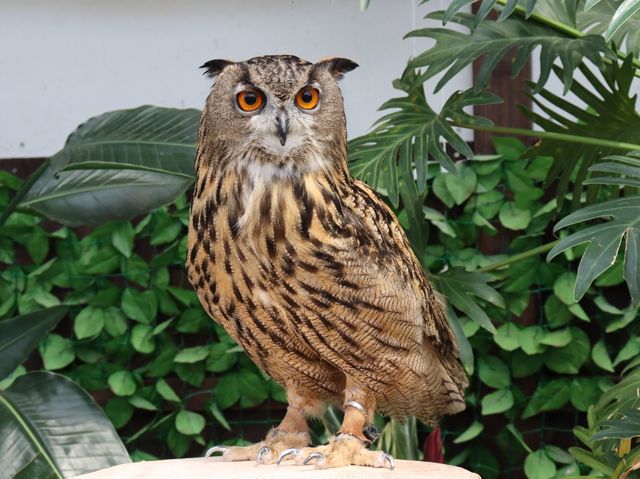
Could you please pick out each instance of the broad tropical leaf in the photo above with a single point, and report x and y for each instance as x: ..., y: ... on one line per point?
x: 19, y: 335
x: 410, y: 135
x: 460, y: 286
x: 456, y: 50
x: 51, y: 428
x: 118, y: 165
x: 623, y: 223
x: 610, y: 118
x: 149, y: 138
x: 623, y: 14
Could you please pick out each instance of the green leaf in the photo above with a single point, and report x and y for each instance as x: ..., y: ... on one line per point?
x: 20, y: 335
x: 166, y: 391
x: 624, y: 12
x: 584, y: 392
x: 142, y: 338
x: 416, y: 131
x: 570, y: 358
x: 507, y: 337
x: 122, y: 383
x: 558, y: 338
x: 192, y: 355
x: 470, y: 433
x: 497, y: 402
x: 630, y: 350
x: 141, y: 307
x: 217, y: 414
x: 115, y: 323
x: 226, y: 391
x: 513, y: 217
x: 119, y: 411
x: 56, y: 352
x: 220, y: 358
x: 604, y: 241
x: 189, y: 423
x: 89, y: 322
x: 537, y: 465
x: 601, y: 357
x: 611, y: 116
x: 122, y: 238
x: 459, y: 286
x: 253, y: 389
x: 50, y: 427
x: 493, y: 372
x: 548, y: 396
x: 454, y: 50
x: 462, y: 185
x: 530, y: 339
x: 142, y: 403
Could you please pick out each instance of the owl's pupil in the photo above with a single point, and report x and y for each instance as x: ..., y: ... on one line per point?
x: 307, y: 97
x: 250, y: 98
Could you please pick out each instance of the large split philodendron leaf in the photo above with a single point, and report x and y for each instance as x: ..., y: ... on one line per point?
x: 51, y: 428
x: 622, y: 217
x: 118, y: 165
x: 455, y: 50
x: 19, y: 335
x: 403, y: 140
x: 610, y: 125
x: 460, y: 287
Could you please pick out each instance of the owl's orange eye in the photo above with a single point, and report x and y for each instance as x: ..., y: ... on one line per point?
x: 250, y: 100
x: 307, y: 98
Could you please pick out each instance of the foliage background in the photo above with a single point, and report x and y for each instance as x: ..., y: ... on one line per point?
x: 171, y: 380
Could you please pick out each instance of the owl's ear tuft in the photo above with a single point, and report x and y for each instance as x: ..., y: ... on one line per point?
x: 337, y: 66
x: 214, y: 67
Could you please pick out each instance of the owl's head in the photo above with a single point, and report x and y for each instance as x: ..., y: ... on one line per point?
x: 278, y: 108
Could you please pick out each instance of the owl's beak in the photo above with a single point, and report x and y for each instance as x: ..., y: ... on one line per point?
x: 282, y: 125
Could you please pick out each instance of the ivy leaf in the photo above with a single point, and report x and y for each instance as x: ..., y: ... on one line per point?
x: 89, y: 322
x: 142, y: 338
x: 166, y: 391
x: 601, y: 357
x: 122, y: 383
x: 470, y: 433
x: 497, y: 402
x: 189, y: 423
x: 537, y: 465
x: 530, y: 339
x: 548, y: 396
x: 507, y: 337
x: 56, y: 352
x: 493, y: 372
x: 410, y: 135
x: 558, y: 338
x: 192, y: 355
x: 513, y: 217
x: 570, y: 358
x: 459, y: 286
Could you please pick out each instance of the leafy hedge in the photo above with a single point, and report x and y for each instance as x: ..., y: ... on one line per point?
x: 136, y: 335
x: 138, y: 338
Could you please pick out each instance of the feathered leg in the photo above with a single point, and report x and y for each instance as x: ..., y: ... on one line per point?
x: 350, y: 446
x: 291, y: 433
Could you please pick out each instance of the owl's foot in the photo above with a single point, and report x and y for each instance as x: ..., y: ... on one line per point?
x: 342, y: 450
x: 264, y: 452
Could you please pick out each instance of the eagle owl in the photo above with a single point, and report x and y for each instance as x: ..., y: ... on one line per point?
x: 307, y: 268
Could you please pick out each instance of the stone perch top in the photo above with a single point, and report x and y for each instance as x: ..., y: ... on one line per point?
x: 215, y: 468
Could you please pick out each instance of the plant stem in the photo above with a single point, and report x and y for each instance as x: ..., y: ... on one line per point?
x: 588, y: 140
x: 520, y: 256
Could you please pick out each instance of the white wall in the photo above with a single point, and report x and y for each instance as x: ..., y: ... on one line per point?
x: 64, y: 61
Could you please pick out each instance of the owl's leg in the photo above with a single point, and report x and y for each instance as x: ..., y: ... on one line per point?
x: 291, y: 433
x: 350, y: 446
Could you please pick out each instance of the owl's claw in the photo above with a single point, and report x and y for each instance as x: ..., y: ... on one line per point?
x: 263, y: 450
x: 312, y: 456
x: 389, y: 458
x: 214, y: 449
x: 286, y: 453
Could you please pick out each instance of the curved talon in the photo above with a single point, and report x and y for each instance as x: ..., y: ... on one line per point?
x: 214, y: 449
x: 389, y: 459
x: 263, y: 450
x: 286, y: 453
x: 312, y: 456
